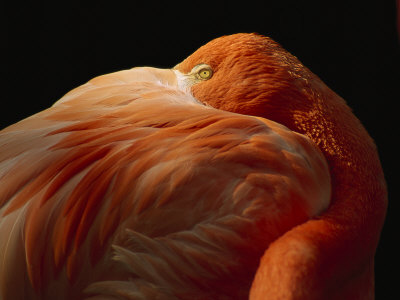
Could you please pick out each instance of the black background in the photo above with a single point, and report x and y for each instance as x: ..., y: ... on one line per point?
x: 352, y: 45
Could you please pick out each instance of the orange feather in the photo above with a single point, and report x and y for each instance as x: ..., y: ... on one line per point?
x: 236, y: 174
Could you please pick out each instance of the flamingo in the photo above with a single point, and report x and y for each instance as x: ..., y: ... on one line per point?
x: 237, y: 174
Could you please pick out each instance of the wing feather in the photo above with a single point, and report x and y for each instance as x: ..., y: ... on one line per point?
x: 126, y: 179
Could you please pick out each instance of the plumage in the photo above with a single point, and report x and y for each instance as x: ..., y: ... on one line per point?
x: 238, y: 173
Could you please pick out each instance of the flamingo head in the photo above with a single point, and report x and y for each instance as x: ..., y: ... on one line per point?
x: 251, y: 74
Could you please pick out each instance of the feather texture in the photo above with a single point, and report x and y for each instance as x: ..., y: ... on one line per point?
x: 251, y: 179
x: 149, y: 181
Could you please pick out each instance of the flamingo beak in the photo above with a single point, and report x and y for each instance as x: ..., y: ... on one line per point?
x: 164, y: 76
x: 168, y: 77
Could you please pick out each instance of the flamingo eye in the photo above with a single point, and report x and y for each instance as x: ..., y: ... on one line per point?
x: 205, y: 73
x: 202, y: 72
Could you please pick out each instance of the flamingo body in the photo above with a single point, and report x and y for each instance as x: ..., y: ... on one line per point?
x: 191, y: 183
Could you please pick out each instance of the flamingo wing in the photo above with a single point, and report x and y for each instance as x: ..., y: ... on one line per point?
x: 129, y: 187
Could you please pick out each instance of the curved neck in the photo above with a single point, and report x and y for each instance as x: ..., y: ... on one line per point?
x: 336, y: 249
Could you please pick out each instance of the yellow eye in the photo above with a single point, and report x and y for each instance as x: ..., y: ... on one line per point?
x: 205, y: 73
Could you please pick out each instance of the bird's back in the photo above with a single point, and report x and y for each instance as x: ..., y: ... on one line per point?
x: 133, y: 189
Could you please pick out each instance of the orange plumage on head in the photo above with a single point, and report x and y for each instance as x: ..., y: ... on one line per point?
x: 281, y: 89
x: 179, y: 184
